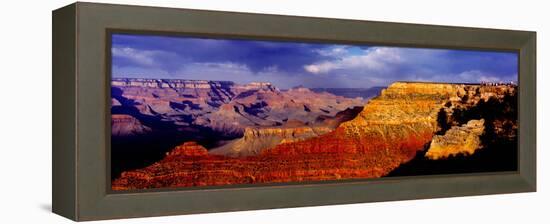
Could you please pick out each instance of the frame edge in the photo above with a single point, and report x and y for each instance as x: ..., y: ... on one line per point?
x: 528, y: 112
x: 64, y: 190
x: 94, y: 203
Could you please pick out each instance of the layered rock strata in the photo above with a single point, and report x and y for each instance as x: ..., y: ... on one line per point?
x: 222, y: 106
x: 389, y: 131
x: 459, y: 140
x: 255, y: 140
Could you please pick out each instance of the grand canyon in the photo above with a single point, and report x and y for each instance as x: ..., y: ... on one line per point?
x: 183, y: 133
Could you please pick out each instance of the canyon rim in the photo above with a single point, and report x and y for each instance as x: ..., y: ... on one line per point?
x: 213, y: 112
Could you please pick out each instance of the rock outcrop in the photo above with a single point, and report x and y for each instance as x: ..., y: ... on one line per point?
x: 459, y: 140
x: 255, y: 140
x: 126, y: 125
x: 188, y: 149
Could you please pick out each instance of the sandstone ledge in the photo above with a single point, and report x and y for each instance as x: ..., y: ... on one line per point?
x: 459, y: 140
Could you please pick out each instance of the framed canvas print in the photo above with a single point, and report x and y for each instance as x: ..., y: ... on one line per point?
x: 201, y: 111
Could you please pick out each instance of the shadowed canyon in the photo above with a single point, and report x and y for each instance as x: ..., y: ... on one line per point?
x: 180, y: 133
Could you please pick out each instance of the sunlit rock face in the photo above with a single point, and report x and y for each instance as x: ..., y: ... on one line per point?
x: 390, y: 130
x: 458, y: 140
x: 257, y: 139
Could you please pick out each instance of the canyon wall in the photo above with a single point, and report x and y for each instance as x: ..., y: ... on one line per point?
x: 389, y: 131
x: 477, y: 133
x: 222, y: 106
x: 255, y: 140
x: 151, y: 116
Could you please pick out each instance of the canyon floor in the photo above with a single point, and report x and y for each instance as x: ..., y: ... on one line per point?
x: 180, y: 133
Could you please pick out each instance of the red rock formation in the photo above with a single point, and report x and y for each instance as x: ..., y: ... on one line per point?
x: 188, y: 149
x: 255, y: 140
x: 388, y: 132
x: 126, y: 125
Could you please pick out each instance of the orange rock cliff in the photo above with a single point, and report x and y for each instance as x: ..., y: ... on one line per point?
x: 388, y: 132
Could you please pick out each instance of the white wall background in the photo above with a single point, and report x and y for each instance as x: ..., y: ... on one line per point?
x: 25, y: 112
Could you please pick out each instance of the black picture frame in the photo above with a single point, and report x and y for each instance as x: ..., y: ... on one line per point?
x: 81, y: 111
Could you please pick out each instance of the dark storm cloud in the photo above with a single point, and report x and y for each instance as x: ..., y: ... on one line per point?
x: 174, y: 52
x: 288, y: 64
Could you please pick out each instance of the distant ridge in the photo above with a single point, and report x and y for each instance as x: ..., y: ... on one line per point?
x: 459, y: 83
x: 432, y: 82
x: 365, y: 93
x: 165, y: 79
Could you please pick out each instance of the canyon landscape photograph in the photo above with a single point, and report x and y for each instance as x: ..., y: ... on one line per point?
x: 199, y: 112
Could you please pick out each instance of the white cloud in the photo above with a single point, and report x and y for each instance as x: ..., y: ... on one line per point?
x: 138, y: 72
x: 195, y: 71
x: 241, y: 73
x: 470, y: 76
x: 484, y: 77
x: 215, y: 71
x: 332, y: 52
x: 374, y: 59
x: 489, y: 79
x: 142, y: 57
x: 225, y: 66
x: 352, y: 67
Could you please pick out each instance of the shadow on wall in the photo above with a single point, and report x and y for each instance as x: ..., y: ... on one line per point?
x: 499, y: 151
x: 134, y: 152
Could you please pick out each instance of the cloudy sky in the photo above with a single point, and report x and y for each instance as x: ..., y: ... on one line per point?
x: 289, y: 64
